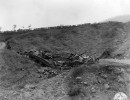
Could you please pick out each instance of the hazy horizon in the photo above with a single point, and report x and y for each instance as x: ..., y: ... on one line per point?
x: 46, y: 13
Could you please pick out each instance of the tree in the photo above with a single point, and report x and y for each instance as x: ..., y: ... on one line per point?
x: 23, y: 27
x: 0, y: 29
x: 29, y: 27
x: 14, y: 27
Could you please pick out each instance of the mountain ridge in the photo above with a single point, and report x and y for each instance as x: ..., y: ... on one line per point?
x: 121, y: 18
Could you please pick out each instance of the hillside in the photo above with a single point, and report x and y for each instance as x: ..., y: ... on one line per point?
x: 90, y: 39
x: 32, y: 74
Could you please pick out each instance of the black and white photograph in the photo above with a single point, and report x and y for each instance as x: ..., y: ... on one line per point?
x: 64, y: 49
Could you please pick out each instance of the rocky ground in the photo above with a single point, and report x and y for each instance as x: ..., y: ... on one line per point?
x: 86, y: 82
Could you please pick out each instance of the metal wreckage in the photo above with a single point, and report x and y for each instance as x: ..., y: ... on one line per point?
x: 57, y: 61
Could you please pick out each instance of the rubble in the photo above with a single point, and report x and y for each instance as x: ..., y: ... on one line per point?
x: 56, y: 61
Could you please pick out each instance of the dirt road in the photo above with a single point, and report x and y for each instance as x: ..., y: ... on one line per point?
x: 3, y: 93
x: 124, y: 63
x: 115, y: 61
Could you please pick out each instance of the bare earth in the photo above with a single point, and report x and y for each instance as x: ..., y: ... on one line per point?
x: 54, y: 88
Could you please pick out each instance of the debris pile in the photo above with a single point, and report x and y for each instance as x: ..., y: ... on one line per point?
x: 57, y: 61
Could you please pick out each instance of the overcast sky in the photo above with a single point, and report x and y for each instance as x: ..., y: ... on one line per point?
x: 42, y: 13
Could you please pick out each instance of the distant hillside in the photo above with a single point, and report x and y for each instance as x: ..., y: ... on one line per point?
x: 123, y: 18
x: 92, y: 39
